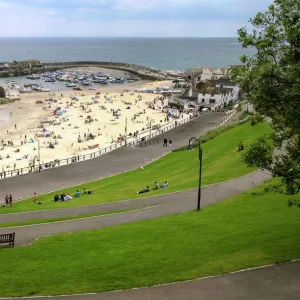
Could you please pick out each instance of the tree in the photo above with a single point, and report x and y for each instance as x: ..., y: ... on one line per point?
x: 271, y: 81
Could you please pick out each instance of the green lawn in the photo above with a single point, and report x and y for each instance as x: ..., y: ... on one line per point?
x: 221, y: 161
x: 43, y: 221
x: 241, y: 232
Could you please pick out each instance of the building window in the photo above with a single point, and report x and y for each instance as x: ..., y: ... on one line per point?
x: 212, y: 101
x: 203, y: 100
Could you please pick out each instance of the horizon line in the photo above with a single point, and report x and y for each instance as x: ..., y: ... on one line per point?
x: 123, y: 37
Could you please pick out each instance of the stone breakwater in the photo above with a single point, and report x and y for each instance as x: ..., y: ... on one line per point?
x: 143, y: 72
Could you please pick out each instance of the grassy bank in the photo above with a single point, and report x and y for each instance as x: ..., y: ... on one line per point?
x: 221, y: 161
x: 244, y: 231
x: 52, y: 220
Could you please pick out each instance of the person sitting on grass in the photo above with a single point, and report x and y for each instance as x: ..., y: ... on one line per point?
x: 68, y: 197
x: 56, y: 198
x: 156, y: 185
x: 145, y: 190
x: 165, y: 185
x: 77, y: 194
x: 84, y: 191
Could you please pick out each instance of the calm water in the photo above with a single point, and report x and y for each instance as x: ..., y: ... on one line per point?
x: 161, y: 53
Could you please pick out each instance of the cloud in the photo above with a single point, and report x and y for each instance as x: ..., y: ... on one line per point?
x: 127, y: 17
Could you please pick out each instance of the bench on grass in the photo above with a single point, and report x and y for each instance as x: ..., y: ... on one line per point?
x: 8, y: 238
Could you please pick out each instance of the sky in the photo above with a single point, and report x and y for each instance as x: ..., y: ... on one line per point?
x: 126, y: 18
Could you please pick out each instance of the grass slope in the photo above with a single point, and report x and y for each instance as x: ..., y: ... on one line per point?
x: 220, y: 162
x: 241, y: 232
x: 52, y: 220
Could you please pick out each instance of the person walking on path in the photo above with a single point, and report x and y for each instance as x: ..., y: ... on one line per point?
x: 34, y: 197
x: 170, y: 143
x: 10, y: 200
x: 165, y: 142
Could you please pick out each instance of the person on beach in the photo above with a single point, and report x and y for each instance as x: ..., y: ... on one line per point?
x: 165, y: 142
x: 10, y: 200
x: 34, y: 197
x: 145, y: 190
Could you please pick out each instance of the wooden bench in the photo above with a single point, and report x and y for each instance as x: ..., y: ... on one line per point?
x: 8, y: 238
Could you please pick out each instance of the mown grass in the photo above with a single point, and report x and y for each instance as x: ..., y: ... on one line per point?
x: 221, y: 161
x: 245, y: 231
x: 52, y: 220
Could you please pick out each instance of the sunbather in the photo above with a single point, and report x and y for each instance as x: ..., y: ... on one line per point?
x: 164, y: 185
x: 145, y: 190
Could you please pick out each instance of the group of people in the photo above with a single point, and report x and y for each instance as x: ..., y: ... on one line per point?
x: 157, y: 186
x: 166, y: 143
x: 8, y: 200
x: 67, y: 196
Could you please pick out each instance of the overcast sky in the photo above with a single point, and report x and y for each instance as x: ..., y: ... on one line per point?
x: 126, y: 18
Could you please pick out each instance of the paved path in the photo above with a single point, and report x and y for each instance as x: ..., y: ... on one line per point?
x: 164, y: 205
x: 278, y: 282
x: 118, y: 161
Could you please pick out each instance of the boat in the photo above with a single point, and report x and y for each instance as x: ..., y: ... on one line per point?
x: 45, y: 89
x: 50, y: 80
x: 119, y: 80
x: 28, y: 85
x: 91, y: 88
x: 77, y: 89
x: 104, y: 81
x: 86, y: 82
x: 25, y: 90
x: 71, y: 84
x: 33, y: 77
x: 15, y: 86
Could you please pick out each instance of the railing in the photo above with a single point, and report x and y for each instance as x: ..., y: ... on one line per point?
x: 144, y: 139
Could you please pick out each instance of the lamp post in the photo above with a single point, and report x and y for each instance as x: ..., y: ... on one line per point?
x: 194, y: 143
x: 39, y: 154
x: 125, y: 131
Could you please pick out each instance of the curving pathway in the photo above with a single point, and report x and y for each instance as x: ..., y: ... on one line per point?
x: 162, y: 205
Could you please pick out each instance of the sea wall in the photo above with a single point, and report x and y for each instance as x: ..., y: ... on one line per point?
x: 143, y: 72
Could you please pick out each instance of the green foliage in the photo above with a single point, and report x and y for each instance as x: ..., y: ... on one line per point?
x: 271, y: 82
x: 242, y: 232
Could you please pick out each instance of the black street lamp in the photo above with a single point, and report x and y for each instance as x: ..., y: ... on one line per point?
x: 194, y: 143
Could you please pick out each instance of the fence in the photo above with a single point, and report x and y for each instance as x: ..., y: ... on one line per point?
x: 144, y: 139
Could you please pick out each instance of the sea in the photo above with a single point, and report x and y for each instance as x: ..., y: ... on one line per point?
x: 169, y: 54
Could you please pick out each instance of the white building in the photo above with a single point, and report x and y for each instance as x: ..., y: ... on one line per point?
x: 217, y: 99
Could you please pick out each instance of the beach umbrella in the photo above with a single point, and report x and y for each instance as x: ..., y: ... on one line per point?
x: 89, y: 117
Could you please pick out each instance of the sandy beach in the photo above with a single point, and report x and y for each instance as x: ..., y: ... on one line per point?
x: 85, y: 121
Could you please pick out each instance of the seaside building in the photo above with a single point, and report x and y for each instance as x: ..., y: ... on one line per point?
x: 25, y: 64
x: 212, y: 94
x: 200, y: 74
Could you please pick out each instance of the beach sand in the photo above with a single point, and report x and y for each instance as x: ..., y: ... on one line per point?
x: 26, y: 115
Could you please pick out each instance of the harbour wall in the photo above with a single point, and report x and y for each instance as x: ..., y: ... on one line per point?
x: 143, y: 72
